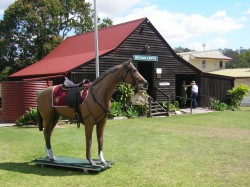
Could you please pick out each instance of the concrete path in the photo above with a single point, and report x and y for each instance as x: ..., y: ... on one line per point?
x: 2, y: 124
x: 198, y: 110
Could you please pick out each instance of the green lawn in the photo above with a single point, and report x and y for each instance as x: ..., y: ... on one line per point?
x: 211, y: 149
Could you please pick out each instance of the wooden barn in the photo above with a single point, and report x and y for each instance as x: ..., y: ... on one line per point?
x: 154, y: 58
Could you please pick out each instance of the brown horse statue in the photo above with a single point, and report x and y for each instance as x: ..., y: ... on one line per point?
x: 94, y: 110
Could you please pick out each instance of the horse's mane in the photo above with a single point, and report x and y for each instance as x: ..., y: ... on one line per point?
x: 104, y: 74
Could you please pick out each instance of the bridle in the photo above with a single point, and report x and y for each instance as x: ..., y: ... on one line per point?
x: 130, y: 71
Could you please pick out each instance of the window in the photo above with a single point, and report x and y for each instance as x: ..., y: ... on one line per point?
x: 203, y: 64
x: 221, y: 64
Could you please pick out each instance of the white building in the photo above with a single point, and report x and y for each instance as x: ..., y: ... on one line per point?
x: 206, y: 61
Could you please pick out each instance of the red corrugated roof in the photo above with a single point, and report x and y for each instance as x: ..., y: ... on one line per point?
x: 77, y: 50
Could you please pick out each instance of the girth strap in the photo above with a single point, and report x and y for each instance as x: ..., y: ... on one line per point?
x: 102, y: 107
x: 73, y: 100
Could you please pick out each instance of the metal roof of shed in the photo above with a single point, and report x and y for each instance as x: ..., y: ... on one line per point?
x: 235, y: 73
x: 79, y: 49
x: 210, y: 54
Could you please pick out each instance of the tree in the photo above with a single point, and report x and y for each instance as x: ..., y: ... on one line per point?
x: 244, y: 59
x: 106, y: 22
x: 240, y: 58
x: 181, y: 49
x: 30, y: 29
x: 232, y: 54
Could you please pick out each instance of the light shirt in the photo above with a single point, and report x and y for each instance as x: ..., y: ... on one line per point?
x: 195, y: 88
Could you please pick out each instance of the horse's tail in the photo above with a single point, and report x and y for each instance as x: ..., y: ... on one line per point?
x: 40, y: 120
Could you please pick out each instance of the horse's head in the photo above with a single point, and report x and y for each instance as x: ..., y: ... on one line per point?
x: 133, y: 77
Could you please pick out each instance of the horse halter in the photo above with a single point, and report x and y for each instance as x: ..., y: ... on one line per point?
x: 130, y: 70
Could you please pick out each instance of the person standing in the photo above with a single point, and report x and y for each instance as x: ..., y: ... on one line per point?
x: 194, y: 94
x: 183, y: 98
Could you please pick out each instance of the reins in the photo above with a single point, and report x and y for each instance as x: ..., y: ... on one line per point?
x: 128, y: 70
x: 102, y: 107
x: 105, y: 111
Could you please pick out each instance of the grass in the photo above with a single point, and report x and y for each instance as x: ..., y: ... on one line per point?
x: 211, y: 149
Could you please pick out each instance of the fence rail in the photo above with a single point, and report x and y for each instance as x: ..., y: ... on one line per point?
x: 188, y: 98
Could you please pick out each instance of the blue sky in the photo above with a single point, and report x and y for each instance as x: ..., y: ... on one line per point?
x: 219, y: 24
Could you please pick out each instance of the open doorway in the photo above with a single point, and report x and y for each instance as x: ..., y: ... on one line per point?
x: 178, y: 85
x: 146, y: 69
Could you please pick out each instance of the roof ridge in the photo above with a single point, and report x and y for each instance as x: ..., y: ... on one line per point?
x: 112, y: 26
x: 195, y: 52
x: 209, y: 50
x: 124, y: 23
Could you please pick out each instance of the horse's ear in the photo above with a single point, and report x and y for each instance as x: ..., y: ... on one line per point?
x: 127, y: 62
x: 130, y: 61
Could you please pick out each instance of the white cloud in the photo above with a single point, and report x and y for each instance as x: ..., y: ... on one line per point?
x: 215, y: 43
x: 237, y: 5
x: 218, y: 42
x: 176, y: 28
x: 4, y: 5
x: 114, y: 8
x: 247, y: 12
x: 179, y: 27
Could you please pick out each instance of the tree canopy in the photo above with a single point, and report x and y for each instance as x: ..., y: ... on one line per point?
x: 30, y: 29
x: 241, y: 58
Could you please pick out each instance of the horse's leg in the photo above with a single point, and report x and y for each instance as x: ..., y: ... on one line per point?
x: 88, y: 136
x: 99, y: 132
x: 49, y: 124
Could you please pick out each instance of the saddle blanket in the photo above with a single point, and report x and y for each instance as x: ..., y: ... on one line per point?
x: 59, y: 96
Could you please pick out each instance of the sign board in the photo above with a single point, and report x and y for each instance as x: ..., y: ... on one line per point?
x: 145, y: 58
x: 164, y: 83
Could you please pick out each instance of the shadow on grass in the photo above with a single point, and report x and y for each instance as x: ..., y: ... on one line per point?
x: 31, y: 168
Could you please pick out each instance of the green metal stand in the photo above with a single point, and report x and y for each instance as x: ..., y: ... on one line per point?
x: 75, y: 163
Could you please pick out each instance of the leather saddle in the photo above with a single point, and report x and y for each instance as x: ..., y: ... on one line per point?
x: 67, y: 84
x: 73, y: 95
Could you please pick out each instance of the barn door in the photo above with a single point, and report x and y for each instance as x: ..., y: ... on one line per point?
x: 146, y: 69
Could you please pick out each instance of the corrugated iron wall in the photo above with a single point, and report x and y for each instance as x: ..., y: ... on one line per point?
x: 19, y: 96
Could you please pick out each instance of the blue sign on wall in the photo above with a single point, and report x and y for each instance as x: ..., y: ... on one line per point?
x: 145, y: 58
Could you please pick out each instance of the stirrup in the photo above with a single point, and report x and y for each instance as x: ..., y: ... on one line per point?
x: 78, y: 119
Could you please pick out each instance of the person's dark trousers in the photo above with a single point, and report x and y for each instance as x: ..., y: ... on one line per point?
x: 194, y: 101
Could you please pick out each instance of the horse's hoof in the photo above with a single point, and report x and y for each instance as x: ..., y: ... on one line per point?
x: 105, y: 163
x: 92, y: 163
x: 51, y: 159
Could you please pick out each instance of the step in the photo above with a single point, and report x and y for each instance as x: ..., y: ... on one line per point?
x: 157, y: 110
x: 160, y: 114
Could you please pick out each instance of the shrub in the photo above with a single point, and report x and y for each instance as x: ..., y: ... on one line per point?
x: 123, y: 94
x: 173, y: 107
x: 236, y: 94
x: 28, y: 118
x: 22, y: 120
x: 132, y: 112
x: 115, y: 109
x: 217, y: 105
x: 142, y: 109
x: 121, y: 103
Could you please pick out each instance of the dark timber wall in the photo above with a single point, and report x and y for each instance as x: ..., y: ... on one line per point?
x: 214, y: 87
x: 170, y: 63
